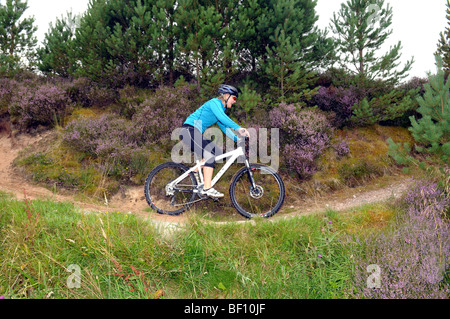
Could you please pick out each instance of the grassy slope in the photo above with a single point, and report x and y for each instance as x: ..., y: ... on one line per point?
x: 123, y: 256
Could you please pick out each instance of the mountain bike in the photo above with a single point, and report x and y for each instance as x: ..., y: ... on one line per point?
x: 255, y: 190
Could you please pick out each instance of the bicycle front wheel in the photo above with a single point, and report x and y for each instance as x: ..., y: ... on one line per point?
x: 265, y: 199
x: 169, y: 201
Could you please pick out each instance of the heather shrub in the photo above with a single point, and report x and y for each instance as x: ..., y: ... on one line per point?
x: 127, y: 142
x: 304, y: 135
x: 161, y: 113
x: 7, y: 89
x: 87, y: 93
x: 113, y: 142
x: 341, y: 147
x: 414, y: 254
x: 413, y: 84
x: 78, y: 91
x: 102, y: 96
x: 338, y: 100
x: 45, y: 104
x: 106, y: 136
x: 130, y: 98
x: 297, y: 123
x: 302, y: 156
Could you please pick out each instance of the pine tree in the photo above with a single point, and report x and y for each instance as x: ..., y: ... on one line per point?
x: 199, y: 30
x: 133, y: 59
x: 432, y: 131
x: 250, y: 37
x: 115, y: 43
x: 56, y: 56
x: 359, y: 40
x: 90, y: 42
x: 16, y: 37
x: 292, y: 42
x: 162, y: 32
x: 444, y: 42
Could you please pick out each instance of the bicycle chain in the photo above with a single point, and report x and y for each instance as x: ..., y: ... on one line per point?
x: 198, y: 200
x: 189, y: 203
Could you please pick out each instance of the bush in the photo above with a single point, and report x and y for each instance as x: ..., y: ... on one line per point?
x: 152, y: 123
x: 413, y: 256
x: 130, y: 98
x: 339, y: 101
x: 161, y: 113
x: 126, y: 142
x: 391, y: 108
x: 107, y: 136
x: 432, y: 131
x: 7, y: 89
x: 34, y: 105
x: 87, y: 93
x: 305, y: 134
x: 114, y: 144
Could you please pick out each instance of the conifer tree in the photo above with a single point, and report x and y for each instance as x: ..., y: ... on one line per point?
x: 360, y: 37
x: 56, y: 56
x: 294, y: 47
x: 116, y: 42
x: 90, y: 42
x: 16, y: 36
x: 199, y: 29
x: 432, y: 131
x: 246, y: 35
x: 444, y: 42
x: 162, y: 32
x: 132, y: 56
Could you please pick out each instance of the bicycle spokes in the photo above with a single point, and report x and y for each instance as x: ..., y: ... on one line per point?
x: 167, y: 198
x: 261, y: 199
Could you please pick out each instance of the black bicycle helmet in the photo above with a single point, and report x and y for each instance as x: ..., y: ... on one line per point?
x: 224, y: 88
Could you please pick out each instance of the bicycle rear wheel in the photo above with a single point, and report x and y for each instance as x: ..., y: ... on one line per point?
x: 265, y: 199
x: 169, y: 201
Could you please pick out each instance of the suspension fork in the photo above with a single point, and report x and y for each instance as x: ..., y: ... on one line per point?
x: 247, y: 164
x: 250, y: 174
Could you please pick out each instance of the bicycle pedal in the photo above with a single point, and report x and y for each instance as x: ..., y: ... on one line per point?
x: 215, y: 199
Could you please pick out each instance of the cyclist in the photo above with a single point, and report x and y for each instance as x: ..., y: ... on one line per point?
x: 210, y: 113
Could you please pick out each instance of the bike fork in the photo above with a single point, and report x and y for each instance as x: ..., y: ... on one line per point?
x: 250, y: 174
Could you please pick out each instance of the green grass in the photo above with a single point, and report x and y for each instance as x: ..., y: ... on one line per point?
x: 124, y: 256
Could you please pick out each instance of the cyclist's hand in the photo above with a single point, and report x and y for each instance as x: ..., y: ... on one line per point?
x: 244, y: 132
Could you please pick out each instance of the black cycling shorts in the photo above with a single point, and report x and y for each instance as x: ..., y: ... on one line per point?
x: 202, y: 147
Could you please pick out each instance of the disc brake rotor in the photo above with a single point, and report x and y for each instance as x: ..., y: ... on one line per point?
x: 256, y: 192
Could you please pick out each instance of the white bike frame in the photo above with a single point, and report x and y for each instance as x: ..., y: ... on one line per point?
x: 233, y: 155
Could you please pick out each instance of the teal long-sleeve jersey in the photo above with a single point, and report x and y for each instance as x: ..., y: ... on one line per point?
x: 210, y: 113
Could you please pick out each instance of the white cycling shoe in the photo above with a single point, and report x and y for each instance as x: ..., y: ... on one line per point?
x: 211, y: 192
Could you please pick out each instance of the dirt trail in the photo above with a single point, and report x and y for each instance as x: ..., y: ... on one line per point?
x: 133, y: 200
x: 11, y: 182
